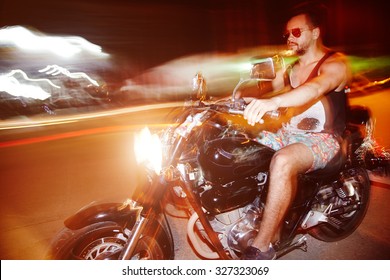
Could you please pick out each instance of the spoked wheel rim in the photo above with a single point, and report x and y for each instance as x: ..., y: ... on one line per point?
x: 110, y: 247
x: 146, y: 250
x: 103, y: 248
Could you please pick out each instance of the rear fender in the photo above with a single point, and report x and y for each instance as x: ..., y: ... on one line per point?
x: 358, y: 115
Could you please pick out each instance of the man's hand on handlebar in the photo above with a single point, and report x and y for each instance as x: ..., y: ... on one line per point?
x: 257, y: 108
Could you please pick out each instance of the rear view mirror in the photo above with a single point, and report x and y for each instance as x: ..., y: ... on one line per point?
x: 263, y: 70
x: 266, y: 68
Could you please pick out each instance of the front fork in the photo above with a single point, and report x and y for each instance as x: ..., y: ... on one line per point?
x: 145, y: 213
x: 132, y: 241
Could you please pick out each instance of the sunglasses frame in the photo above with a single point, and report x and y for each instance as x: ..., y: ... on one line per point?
x: 297, y: 31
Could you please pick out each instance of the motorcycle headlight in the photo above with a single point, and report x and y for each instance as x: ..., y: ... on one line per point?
x: 148, y: 150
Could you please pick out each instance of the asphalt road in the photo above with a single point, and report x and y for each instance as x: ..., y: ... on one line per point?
x: 49, y: 171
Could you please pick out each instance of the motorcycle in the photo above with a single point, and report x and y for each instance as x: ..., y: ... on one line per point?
x: 209, y: 164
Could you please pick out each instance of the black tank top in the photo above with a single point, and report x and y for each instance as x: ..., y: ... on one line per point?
x: 325, y: 115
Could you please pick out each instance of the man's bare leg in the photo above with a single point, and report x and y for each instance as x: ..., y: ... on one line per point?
x: 285, y: 167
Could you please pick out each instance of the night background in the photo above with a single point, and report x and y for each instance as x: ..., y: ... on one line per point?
x: 144, y: 33
x: 74, y: 145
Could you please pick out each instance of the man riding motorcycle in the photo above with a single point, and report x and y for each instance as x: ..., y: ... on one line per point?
x: 317, y: 83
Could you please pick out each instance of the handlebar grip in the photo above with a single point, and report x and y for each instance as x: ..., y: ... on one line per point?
x: 271, y: 114
x: 236, y: 112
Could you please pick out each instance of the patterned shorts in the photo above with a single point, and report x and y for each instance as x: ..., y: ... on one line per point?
x: 324, y: 146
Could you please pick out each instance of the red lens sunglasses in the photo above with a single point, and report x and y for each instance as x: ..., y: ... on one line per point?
x: 296, y: 32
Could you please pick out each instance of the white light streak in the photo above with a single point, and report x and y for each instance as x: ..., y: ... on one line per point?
x: 63, y: 46
x: 56, y: 70
x: 12, y: 85
x: 24, y: 75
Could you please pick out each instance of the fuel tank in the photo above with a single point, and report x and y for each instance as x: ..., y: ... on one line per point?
x: 222, y: 198
x: 233, y: 158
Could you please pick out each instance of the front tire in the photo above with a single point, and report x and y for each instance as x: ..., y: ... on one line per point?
x: 102, y: 242
x: 347, y: 222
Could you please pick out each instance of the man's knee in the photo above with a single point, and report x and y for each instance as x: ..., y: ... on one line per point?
x: 291, y: 161
x: 281, y: 162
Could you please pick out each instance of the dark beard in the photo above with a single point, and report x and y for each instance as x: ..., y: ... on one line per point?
x: 300, y: 52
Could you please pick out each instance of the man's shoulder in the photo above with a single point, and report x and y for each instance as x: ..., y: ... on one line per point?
x: 336, y: 56
x: 336, y: 60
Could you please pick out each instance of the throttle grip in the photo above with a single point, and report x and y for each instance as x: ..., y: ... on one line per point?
x: 271, y: 114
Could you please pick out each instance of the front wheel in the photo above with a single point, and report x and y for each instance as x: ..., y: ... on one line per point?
x: 105, y: 242
x: 354, y: 197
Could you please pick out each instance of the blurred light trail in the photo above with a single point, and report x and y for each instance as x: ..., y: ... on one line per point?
x: 60, y: 121
x: 8, y: 125
x: 55, y: 70
x: 11, y: 85
x: 73, y: 134
x: 60, y: 136
x: 63, y: 46
x: 24, y: 75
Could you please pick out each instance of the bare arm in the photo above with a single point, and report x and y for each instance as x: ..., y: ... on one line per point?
x: 333, y: 75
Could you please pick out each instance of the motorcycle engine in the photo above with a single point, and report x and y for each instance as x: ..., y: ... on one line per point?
x: 239, y: 227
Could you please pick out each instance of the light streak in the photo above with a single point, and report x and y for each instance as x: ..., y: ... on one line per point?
x: 10, y: 125
x: 11, y: 85
x: 63, y: 46
x: 56, y: 70
x: 24, y: 75
x: 60, y: 136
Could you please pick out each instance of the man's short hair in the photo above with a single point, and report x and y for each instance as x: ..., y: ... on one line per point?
x: 317, y: 13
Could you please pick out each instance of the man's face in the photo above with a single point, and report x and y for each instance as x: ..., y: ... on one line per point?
x: 298, y: 34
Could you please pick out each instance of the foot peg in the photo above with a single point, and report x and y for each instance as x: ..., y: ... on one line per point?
x: 299, y: 244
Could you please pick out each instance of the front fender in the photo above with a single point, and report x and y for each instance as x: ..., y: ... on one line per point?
x: 114, y: 212
x: 111, y: 214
